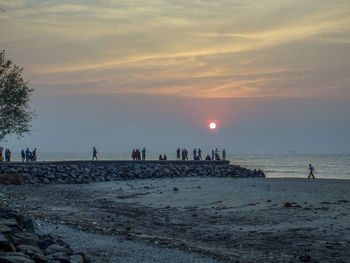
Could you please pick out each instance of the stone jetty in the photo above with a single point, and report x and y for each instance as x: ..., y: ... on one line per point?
x: 79, y: 172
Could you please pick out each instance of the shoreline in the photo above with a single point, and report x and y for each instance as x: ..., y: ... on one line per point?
x: 227, y: 219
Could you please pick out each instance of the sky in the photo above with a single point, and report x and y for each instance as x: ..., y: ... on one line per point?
x: 273, y: 74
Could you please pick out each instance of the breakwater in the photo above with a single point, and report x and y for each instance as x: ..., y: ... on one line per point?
x: 68, y: 172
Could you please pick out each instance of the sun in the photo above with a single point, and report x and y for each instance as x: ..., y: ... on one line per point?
x: 212, y: 125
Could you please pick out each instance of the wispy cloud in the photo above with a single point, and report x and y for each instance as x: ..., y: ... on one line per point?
x: 183, y: 48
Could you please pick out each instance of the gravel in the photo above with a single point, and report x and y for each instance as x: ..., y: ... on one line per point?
x: 102, y: 248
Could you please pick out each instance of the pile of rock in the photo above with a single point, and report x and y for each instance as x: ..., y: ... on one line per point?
x: 20, y: 244
x: 87, y: 172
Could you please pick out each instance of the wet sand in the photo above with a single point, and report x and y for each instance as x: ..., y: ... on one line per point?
x: 223, y: 219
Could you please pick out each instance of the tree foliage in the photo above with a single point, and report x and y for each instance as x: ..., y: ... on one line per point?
x: 15, y: 111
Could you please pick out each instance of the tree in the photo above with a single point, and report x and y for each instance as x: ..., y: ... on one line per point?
x: 15, y: 111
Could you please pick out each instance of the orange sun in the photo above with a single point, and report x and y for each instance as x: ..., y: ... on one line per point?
x: 212, y: 125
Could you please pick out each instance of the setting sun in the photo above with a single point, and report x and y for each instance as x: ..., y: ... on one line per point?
x: 212, y: 125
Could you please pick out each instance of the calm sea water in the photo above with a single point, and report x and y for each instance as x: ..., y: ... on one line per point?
x: 274, y: 165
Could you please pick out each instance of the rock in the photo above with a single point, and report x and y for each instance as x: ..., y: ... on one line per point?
x: 5, y: 229
x: 287, y: 204
x: 5, y: 244
x: 56, y: 249
x: 15, y: 259
x: 27, y: 224
x: 76, y: 259
x: 25, y: 238
x: 28, y: 250
x: 175, y: 189
x: 40, y: 258
x: 62, y: 257
x: 10, y: 222
x: 44, y: 244
x: 305, y: 258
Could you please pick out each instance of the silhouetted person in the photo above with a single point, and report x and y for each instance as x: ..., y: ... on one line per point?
x: 94, y: 153
x: 178, y: 154
x: 208, y: 158
x: 183, y: 154
x: 261, y: 173
x: 133, y: 154
x: 199, y: 154
x: 160, y: 157
x: 312, y: 171
x: 144, y: 153
x: 223, y: 154
x: 27, y: 155
x: 35, y: 157
x: 23, y: 155
x: 186, y: 154
x: 212, y: 154
x: 165, y: 157
x: 195, y: 154
x: 255, y: 173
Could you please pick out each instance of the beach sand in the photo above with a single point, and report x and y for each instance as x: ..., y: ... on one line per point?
x: 205, y: 219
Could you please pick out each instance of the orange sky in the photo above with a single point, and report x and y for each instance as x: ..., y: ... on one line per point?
x: 211, y: 49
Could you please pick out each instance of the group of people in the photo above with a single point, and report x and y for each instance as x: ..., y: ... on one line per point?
x: 197, y: 155
x: 184, y: 154
x: 27, y: 156
x: 136, y: 154
x: 7, y: 156
x: 258, y: 173
x: 163, y: 157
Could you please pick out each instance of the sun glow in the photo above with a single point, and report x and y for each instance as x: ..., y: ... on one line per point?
x: 212, y: 125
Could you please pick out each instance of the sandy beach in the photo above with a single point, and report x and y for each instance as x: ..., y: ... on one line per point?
x: 196, y: 219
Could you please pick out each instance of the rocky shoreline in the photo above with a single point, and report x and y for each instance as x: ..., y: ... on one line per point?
x: 20, y: 244
x: 78, y: 172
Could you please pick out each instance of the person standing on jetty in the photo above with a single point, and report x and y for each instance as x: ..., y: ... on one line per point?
x: 23, y: 155
x: 223, y: 154
x: 8, y: 155
x: 195, y: 154
x: 199, y: 154
x: 212, y: 155
x: 312, y: 171
x: 34, y: 155
x: 27, y: 155
x: 178, y: 154
x: 94, y: 154
x: 144, y: 153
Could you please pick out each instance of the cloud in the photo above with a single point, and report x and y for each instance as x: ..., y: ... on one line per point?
x: 183, y: 48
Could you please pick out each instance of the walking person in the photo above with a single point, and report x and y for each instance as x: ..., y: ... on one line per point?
x: 199, y: 154
x: 312, y: 171
x: 94, y: 153
x: 23, y: 155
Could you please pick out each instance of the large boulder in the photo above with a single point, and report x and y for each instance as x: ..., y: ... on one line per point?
x: 12, y: 179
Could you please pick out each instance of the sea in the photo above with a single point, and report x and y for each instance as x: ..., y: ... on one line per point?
x: 288, y: 165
